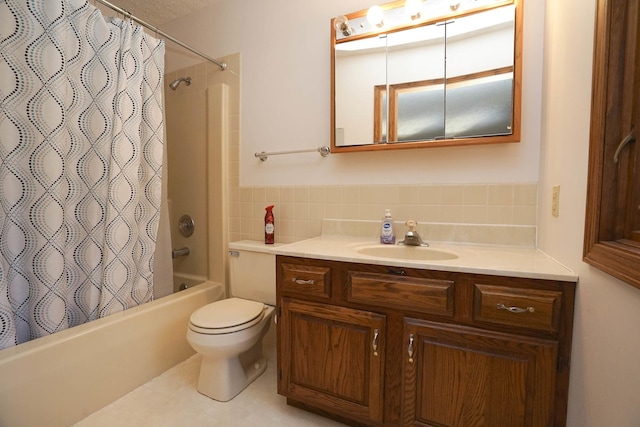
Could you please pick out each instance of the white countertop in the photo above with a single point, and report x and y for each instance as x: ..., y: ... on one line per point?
x: 480, y: 259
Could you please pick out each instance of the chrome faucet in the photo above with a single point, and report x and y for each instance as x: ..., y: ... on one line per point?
x: 412, y: 238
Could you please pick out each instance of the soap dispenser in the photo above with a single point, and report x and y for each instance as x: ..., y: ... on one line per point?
x: 387, y: 236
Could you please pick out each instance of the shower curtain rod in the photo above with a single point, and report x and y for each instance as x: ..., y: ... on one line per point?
x: 222, y: 65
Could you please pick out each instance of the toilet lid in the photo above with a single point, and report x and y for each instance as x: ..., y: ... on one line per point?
x: 226, y: 313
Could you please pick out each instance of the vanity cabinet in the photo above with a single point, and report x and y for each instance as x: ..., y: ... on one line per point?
x: 388, y: 346
x: 332, y: 357
x: 461, y: 376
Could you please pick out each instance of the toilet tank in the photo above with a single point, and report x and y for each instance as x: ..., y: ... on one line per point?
x: 252, y: 271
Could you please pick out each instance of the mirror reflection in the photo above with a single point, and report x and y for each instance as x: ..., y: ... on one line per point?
x: 450, y: 80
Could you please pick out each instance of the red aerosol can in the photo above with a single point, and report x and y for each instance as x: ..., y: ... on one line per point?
x: 269, y: 226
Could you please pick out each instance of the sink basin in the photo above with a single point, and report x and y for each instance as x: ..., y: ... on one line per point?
x: 414, y: 253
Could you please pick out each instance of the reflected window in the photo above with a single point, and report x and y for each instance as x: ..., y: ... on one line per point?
x: 467, y: 106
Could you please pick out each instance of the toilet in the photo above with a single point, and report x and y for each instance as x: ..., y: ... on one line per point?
x: 229, y: 333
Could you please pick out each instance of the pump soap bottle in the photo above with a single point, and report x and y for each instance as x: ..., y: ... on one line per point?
x: 269, y: 228
x: 387, y: 236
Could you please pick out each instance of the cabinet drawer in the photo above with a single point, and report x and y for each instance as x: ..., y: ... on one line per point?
x: 523, y: 307
x: 405, y: 293
x: 306, y: 279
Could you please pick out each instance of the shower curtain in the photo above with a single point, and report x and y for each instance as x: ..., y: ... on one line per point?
x: 81, y: 142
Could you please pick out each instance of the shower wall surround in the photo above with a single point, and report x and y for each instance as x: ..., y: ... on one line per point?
x: 198, y: 119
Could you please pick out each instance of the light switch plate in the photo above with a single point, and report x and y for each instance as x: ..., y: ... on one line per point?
x: 555, y: 201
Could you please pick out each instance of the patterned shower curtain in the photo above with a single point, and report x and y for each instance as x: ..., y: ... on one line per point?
x: 81, y: 144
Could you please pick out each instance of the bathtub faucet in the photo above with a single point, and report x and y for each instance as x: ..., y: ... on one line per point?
x: 175, y: 253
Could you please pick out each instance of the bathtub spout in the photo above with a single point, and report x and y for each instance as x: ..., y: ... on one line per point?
x: 175, y: 253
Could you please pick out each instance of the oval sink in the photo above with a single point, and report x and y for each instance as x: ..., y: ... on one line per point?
x: 414, y: 253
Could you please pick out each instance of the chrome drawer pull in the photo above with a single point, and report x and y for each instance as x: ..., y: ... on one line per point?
x: 515, y: 309
x: 374, y: 344
x: 410, y: 348
x: 303, y: 282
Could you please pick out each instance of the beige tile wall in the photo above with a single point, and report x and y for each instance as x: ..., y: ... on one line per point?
x: 188, y: 134
x: 300, y: 210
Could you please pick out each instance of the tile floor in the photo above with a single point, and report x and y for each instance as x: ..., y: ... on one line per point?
x: 171, y: 400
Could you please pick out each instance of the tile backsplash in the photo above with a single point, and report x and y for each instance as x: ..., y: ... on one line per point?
x: 299, y: 210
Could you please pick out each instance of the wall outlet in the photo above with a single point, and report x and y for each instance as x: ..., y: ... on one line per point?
x: 555, y: 200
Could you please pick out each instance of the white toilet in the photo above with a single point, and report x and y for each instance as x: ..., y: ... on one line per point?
x: 228, y: 333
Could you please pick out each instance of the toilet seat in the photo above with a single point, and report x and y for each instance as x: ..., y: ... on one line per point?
x: 226, y: 316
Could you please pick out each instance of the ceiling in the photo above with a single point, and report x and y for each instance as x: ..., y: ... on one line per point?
x: 158, y: 12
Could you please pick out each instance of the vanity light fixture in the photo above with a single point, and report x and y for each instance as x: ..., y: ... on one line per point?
x: 341, y: 24
x: 412, y: 7
x: 375, y: 16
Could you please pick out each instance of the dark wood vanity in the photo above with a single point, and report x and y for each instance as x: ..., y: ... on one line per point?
x: 380, y: 345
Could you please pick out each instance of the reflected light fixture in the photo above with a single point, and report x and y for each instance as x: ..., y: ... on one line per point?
x: 341, y: 24
x: 375, y: 16
x: 412, y: 7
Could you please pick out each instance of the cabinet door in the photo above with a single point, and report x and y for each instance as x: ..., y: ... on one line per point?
x: 332, y: 358
x: 465, y: 377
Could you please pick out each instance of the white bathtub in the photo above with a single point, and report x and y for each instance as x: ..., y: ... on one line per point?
x: 60, y: 379
x: 189, y: 280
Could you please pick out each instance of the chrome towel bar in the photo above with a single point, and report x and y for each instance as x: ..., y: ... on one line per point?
x: 324, y: 152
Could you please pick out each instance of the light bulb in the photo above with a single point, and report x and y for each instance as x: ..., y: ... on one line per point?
x: 341, y: 24
x: 412, y: 7
x: 375, y: 16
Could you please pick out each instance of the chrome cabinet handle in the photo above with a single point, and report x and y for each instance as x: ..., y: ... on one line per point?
x: 303, y: 281
x: 374, y: 344
x: 410, y: 350
x: 516, y: 309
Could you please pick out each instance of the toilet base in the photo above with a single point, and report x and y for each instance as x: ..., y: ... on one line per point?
x: 223, y: 379
x: 230, y: 362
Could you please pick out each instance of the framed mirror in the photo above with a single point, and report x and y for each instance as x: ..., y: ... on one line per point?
x: 427, y: 74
